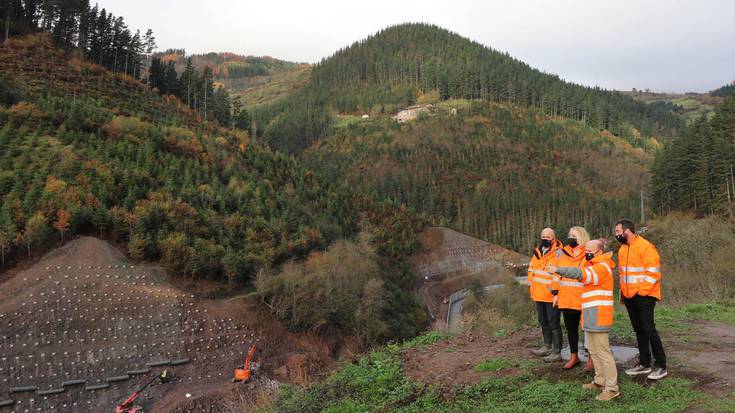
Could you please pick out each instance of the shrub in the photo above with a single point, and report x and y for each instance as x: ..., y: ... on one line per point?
x: 697, y: 258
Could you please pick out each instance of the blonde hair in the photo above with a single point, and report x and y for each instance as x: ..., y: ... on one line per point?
x: 581, y: 234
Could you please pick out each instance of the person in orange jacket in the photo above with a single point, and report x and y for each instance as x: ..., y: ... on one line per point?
x: 597, y: 314
x: 568, y: 292
x: 640, y: 288
x: 539, y: 284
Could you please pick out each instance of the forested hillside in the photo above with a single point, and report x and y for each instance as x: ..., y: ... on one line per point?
x: 87, y: 151
x: 390, y: 69
x: 493, y: 170
x: 697, y: 170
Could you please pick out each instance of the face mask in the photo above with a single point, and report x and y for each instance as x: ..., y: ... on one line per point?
x: 620, y: 238
x: 572, y: 242
x: 546, y: 243
x: 588, y: 256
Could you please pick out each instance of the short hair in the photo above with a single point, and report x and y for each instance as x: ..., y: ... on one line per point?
x: 626, y: 224
x: 581, y: 234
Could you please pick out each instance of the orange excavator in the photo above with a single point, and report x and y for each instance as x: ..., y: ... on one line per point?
x: 243, y: 374
x: 128, y: 407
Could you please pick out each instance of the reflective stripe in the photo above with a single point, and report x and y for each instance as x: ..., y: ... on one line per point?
x: 597, y: 292
x: 635, y: 279
x: 541, y: 280
x: 655, y: 270
x: 571, y: 283
x: 540, y: 272
x: 591, y: 276
x: 598, y: 303
x: 609, y: 270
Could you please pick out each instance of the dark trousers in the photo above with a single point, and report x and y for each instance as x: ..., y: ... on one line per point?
x: 571, y: 322
x: 640, y: 311
x: 548, y: 316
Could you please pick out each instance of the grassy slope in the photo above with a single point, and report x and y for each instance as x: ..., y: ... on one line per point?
x: 693, y: 105
x: 280, y: 85
x: 376, y: 383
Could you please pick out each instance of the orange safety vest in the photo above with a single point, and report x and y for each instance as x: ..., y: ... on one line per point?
x: 539, y: 280
x: 640, y: 269
x: 569, y: 290
x: 597, y: 294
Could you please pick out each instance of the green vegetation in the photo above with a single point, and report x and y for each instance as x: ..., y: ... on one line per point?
x: 390, y: 69
x: 493, y: 365
x: 376, y: 383
x: 91, y: 33
x: 493, y: 171
x: 278, y: 86
x: 87, y: 151
x: 695, y: 171
x: 342, y: 289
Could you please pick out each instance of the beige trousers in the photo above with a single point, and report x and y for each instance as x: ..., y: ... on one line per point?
x: 606, y: 373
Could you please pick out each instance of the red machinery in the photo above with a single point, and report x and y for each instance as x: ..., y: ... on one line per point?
x: 243, y: 374
x: 128, y: 407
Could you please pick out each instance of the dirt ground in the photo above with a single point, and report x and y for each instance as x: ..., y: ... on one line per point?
x: 84, y: 312
x: 705, y: 354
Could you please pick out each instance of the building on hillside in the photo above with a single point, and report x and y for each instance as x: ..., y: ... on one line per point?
x: 412, y: 112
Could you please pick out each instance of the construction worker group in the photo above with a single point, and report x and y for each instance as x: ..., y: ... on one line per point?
x: 576, y: 280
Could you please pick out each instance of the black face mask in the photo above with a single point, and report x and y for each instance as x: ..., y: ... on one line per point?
x: 546, y: 243
x: 572, y: 242
x: 621, y: 239
x: 588, y: 256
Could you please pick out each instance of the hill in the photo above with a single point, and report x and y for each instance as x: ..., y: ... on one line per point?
x: 494, y: 171
x: 235, y: 72
x: 391, y: 68
x: 86, y: 151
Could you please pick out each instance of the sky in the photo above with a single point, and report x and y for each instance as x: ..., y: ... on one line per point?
x: 666, y: 46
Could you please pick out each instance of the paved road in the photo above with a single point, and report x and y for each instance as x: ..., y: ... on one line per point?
x: 455, y: 305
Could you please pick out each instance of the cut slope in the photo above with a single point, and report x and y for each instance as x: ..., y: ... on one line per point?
x: 85, y: 312
x: 450, y: 261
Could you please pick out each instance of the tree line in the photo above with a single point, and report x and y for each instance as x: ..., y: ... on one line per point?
x: 388, y: 70
x: 198, y: 91
x: 696, y: 171
x: 93, y: 33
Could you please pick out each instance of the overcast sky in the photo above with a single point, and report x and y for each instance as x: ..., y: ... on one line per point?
x: 671, y: 45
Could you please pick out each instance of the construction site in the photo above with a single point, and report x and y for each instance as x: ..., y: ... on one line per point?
x: 84, y: 330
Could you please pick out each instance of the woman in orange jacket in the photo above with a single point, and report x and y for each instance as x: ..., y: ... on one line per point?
x: 568, y: 292
x: 597, y: 314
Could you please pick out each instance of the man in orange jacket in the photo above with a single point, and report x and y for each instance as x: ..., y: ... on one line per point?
x: 640, y: 287
x: 539, y: 284
x: 597, y: 314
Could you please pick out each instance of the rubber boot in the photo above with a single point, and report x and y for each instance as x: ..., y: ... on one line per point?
x: 573, y: 361
x: 546, y: 348
x: 589, y: 366
x: 555, y: 354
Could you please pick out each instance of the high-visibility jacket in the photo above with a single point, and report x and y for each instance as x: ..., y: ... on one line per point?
x: 569, y: 290
x: 539, y: 280
x: 639, y: 269
x: 597, y: 294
